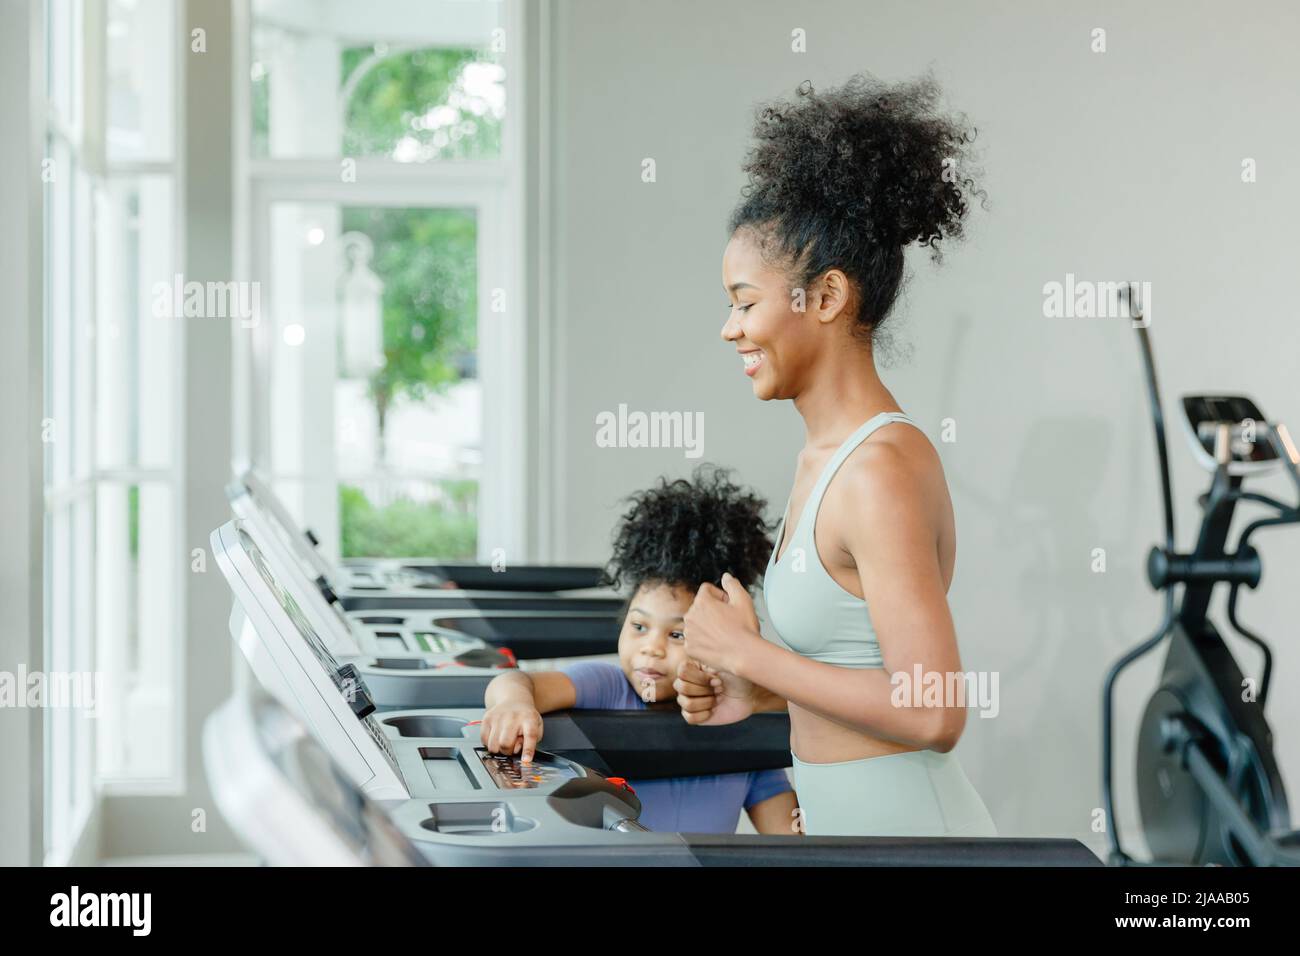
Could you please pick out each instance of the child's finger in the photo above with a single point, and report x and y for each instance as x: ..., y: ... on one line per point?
x: 696, y: 703
x: 529, y: 742
x: 697, y: 717
x: 687, y: 688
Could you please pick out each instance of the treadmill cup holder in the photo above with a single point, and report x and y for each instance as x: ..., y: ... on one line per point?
x: 401, y: 664
x: 480, y: 818
x: 427, y: 725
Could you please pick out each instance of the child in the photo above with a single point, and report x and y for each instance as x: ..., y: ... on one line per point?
x: 676, y: 536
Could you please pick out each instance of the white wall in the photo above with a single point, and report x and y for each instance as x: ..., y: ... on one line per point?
x: 1122, y: 165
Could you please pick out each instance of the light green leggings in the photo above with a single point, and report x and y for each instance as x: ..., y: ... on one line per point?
x: 918, y: 793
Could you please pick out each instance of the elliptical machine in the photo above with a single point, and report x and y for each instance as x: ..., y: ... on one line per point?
x: 1209, y: 789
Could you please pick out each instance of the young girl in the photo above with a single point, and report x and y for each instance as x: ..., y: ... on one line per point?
x: 676, y: 536
x: 840, y: 183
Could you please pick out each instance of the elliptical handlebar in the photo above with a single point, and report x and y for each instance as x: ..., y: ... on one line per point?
x: 1287, y: 454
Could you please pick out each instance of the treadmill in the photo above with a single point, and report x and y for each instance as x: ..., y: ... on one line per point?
x: 449, y: 670
x: 369, y: 583
x: 531, y: 626
x: 422, y: 778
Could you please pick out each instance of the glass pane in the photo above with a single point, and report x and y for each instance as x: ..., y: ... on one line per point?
x: 58, y: 427
x: 58, y: 657
x: 373, y: 375
x: 82, y: 328
x: 63, y: 63
x: 320, y: 90
x: 136, y: 331
x: 136, y: 564
x: 83, y: 647
x: 140, y: 50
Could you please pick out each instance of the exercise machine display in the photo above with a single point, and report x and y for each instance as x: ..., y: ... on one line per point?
x: 459, y: 804
x: 546, y: 628
x: 365, y: 583
x: 452, y: 670
x: 1209, y: 788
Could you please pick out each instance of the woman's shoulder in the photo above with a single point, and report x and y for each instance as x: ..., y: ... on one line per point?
x: 893, y: 461
x: 893, y: 479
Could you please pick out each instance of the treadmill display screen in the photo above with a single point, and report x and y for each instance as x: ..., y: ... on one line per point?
x: 292, y: 610
x: 509, y: 773
x: 280, y: 524
x: 347, y: 686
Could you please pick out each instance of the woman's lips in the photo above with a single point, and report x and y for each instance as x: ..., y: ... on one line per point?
x: 753, y: 361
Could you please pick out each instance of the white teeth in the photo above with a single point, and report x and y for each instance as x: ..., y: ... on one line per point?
x: 752, y: 358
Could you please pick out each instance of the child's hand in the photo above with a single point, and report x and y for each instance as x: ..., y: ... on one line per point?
x: 712, y: 697
x: 512, y: 728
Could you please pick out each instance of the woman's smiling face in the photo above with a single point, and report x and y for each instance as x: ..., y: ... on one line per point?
x: 774, y: 339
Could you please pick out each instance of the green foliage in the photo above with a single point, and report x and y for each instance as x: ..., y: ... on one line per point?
x: 393, y: 96
x: 405, y: 528
x: 389, y: 102
x: 133, y: 520
x: 427, y: 261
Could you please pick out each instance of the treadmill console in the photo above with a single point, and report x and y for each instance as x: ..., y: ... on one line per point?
x: 508, y: 772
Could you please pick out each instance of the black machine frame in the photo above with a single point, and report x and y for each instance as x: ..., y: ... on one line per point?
x: 1209, y: 787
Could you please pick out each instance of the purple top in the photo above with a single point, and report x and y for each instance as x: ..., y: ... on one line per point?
x: 709, y: 804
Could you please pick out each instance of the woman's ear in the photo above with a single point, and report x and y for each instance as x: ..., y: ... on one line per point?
x: 829, y: 298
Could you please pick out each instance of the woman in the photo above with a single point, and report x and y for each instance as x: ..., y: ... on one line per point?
x: 856, y: 588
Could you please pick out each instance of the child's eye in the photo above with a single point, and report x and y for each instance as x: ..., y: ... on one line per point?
x: 679, y: 635
x: 638, y: 626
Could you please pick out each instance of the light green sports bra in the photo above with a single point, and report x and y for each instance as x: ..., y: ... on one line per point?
x: 811, y: 613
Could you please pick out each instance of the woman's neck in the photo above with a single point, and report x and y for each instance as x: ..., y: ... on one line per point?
x: 845, y: 390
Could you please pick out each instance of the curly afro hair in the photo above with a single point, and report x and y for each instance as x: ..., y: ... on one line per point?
x: 682, y: 533
x: 846, y: 179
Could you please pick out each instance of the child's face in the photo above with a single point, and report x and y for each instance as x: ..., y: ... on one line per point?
x: 652, y: 644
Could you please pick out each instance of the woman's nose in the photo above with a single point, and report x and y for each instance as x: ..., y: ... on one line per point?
x: 731, y: 328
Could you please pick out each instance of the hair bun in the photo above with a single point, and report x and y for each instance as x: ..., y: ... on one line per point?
x: 848, y: 177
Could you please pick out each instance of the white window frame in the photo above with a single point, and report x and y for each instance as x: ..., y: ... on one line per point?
x: 84, y: 139
x: 495, y: 190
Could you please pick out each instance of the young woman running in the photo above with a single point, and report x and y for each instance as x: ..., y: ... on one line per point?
x: 840, y: 183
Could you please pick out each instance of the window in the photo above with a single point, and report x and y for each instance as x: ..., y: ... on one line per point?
x: 388, y: 358
x: 111, y: 547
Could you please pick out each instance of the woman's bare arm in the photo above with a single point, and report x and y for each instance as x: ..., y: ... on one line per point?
x: 892, y: 539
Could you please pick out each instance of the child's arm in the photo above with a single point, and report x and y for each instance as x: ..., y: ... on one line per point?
x: 776, y: 815
x: 515, y: 702
x: 544, y: 690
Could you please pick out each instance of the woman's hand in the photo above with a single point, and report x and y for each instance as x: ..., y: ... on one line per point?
x: 721, y: 625
x: 712, y: 697
x: 512, y: 728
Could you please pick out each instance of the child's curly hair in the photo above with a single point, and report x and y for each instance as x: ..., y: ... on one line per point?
x: 682, y: 533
